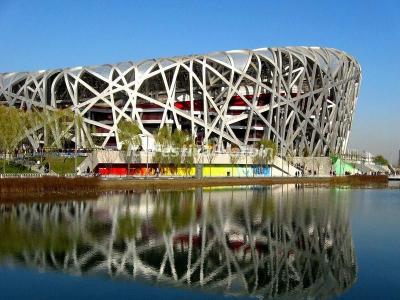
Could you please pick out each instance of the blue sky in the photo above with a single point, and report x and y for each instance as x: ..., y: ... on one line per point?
x: 46, y: 34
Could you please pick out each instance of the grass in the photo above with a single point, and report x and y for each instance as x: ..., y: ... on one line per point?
x: 50, y: 188
x: 48, y: 184
x: 47, y: 187
x: 14, y: 168
x: 62, y: 165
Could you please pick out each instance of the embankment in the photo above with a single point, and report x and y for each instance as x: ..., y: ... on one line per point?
x: 48, y: 188
x: 60, y: 187
x: 184, y: 183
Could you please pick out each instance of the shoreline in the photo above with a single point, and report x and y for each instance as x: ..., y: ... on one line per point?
x: 184, y: 183
x: 50, y: 189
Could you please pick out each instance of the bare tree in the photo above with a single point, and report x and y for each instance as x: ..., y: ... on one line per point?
x: 234, y: 157
x: 210, y: 154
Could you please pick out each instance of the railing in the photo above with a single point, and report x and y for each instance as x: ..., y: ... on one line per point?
x: 34, y: 175
x: 22, y: 175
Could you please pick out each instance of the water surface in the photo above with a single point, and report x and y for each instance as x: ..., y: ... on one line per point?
x: 275, y: 242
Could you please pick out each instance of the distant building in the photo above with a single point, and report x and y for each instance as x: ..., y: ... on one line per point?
x: 398, y: 163
x: 368, y: 157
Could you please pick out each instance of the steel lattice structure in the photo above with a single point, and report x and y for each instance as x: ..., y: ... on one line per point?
x: 243, y: 244
x: 303, y: 98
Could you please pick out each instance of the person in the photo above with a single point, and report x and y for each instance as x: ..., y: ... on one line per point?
x: 157, y: 172
x: 88, y: 170
x: 46, y: 167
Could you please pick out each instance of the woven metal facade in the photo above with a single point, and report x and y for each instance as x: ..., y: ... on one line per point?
x: 303, y: 98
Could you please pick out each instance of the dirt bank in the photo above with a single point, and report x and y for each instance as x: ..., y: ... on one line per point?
x: 57, y: 188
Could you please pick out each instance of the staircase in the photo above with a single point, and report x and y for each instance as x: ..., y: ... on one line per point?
x: 283, y: 168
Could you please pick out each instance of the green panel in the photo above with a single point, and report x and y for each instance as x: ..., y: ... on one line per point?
x: 341, y: 167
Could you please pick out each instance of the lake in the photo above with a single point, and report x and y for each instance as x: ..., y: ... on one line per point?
x: 276, y: 242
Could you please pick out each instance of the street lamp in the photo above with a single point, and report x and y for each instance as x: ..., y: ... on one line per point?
x: 246, y: 159
x: 281, y: 113
x: 281, y: 159
x: 147, y: 155
x: 76, y: 141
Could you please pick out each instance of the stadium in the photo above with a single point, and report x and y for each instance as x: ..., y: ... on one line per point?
x: 302, y: 98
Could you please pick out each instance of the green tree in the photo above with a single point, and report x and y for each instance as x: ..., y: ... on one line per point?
x: 267, y: 150
x: 57, y: 125
x: 381, y: 160
x: 128, y: 132
x: 174, y: 146
x: 34, y: 123
x: 189, y: 158
x: 182, y: 143
x: 163, y: 141
x: 16, y: 125
x: 78, y: 128
x: 13, y: 130
x: 268, y: 144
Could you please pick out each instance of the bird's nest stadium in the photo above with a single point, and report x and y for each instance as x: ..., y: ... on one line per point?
x: 302, y: 98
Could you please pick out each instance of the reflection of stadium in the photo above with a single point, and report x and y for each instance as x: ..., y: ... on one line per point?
x: 302, y: 98
x: 246, y: 243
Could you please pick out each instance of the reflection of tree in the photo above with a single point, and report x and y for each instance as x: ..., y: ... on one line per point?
x: 252, y: 242
x: 172, y: 211
x: 128, y: 226
x: 54, y: 239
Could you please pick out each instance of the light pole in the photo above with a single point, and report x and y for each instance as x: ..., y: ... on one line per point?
x: 313, y: 169
x: 147, y: 154
x: 281, y: 113
x: 272, y: 166
x: 246, y: 159
x: 76, y: 141
x: 281, y: 159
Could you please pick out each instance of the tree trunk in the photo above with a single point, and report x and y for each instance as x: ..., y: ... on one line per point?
x: 129, y: 163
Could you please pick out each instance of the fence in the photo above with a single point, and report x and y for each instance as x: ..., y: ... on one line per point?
x: 33, y: 175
